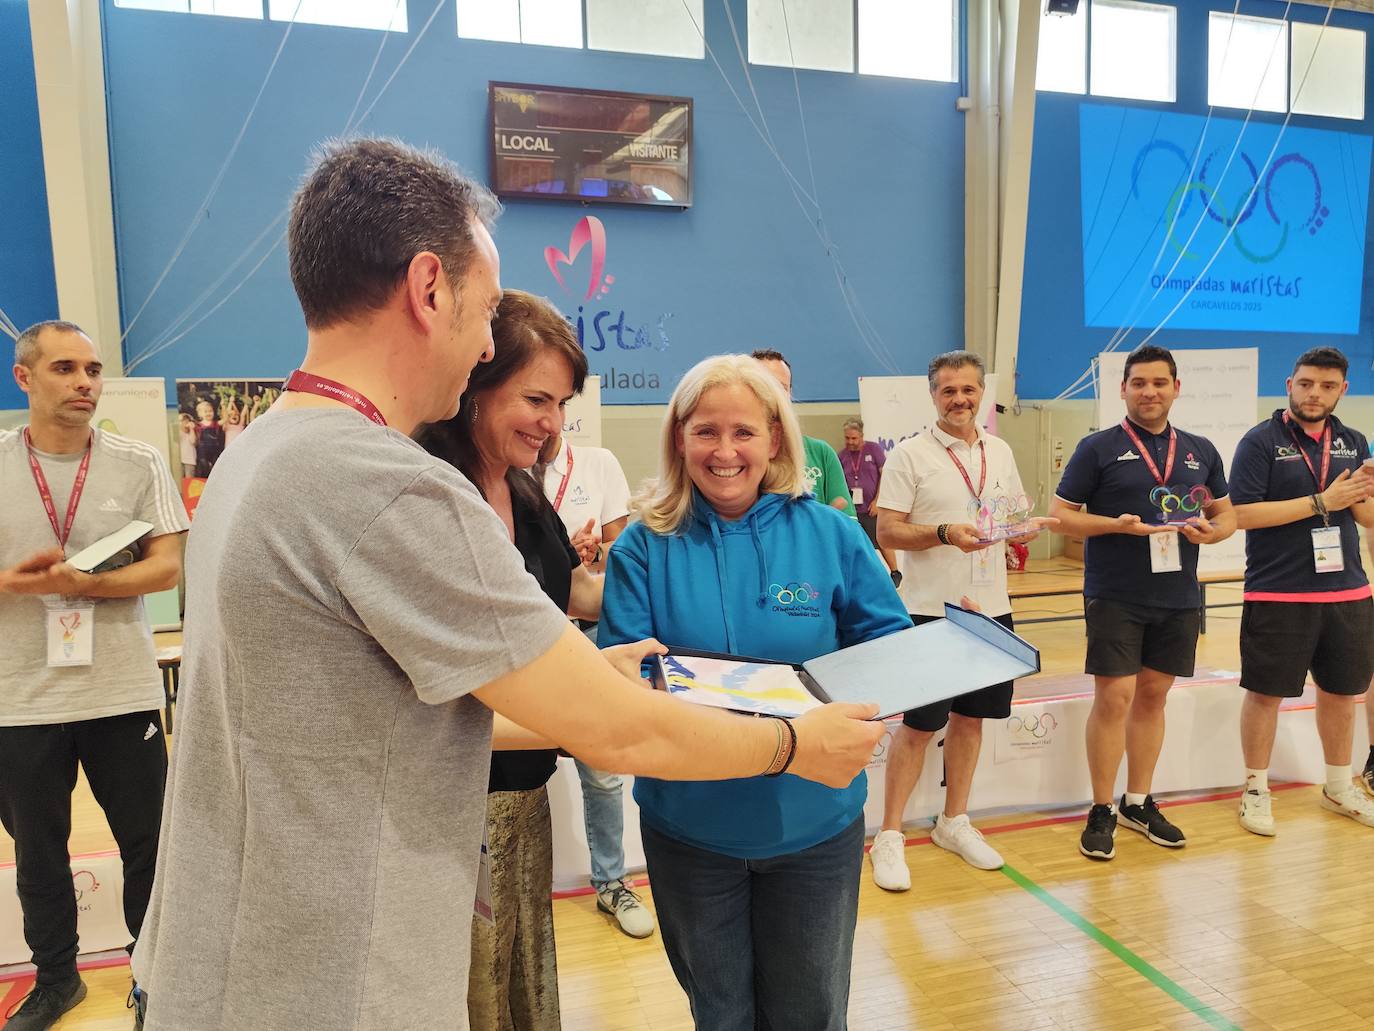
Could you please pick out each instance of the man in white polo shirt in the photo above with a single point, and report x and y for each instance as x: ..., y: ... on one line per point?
x: 587, y: 488
x: 932, y: 489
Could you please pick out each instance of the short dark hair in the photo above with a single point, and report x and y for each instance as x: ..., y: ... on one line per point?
x: 1149, y: 353
x: 767, y: 354
x: 366, y: 209
x: 953, y: 360
x: 1323, y: 358
x: 525, y: 326
x: 27, y: 345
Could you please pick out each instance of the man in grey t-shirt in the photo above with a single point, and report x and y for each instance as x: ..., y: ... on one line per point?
x: 79, y: 682
x: 354, y: 614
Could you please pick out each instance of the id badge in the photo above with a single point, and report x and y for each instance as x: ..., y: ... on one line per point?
x: 1164, y: 554
x: 71, y: 631
x: 857, y: 493
x: 481, y: 905
x: 1326, y: 549
x: 984, y: 566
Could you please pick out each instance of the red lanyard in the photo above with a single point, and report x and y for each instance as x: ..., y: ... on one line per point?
x: 309, y: 383
x: 858, y: 464
x: 562, y: 487
x: 46, y: 495
x: 1326, y: 452
x: 1163, y: 481
x: 982, y: 477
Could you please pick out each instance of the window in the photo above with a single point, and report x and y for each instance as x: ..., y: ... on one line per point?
x: 1133, y: 50
x: 1328, y: 73
x: 906, y: 39
x: 663, y: 27
x: 227, y: 8
x: 815, y: 34
x: 354, y: 14
x: 555, y: 23
x: 1062, y: 61
x: 1247, y: 62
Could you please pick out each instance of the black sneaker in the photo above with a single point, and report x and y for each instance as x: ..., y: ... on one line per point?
x: 1366, y: 777
x: 46, y: 1004
x: 1099, y: 836
x: 1151, y: 822
x: 138, y: 1002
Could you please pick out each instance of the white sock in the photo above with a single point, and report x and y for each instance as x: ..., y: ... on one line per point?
x: 1337, y: 779
x: 1257, y: 780
x: 1133, y: 799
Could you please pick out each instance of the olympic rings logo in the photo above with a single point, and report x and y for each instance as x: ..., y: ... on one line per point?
x: 999, y: 511
x: 801, y: 593
x: 1175, y: 500
x: 1038, y: 727
x: 1247, y: 201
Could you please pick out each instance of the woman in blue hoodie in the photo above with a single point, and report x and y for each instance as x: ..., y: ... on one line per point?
x: 756, y: 881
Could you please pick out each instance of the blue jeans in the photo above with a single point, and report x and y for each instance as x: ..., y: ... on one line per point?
x: 760, y: 944
x: 604, y: 814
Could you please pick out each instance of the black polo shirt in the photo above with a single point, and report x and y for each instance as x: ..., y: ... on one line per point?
x: 550, y: 558
x: 1278, y: 559
x: 1107, y: 476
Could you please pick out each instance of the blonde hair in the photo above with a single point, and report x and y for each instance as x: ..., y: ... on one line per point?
x: 665, y: 503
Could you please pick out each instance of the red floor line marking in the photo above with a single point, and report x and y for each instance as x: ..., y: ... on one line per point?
x: 93, y: 964
x: 1050, y: 821
x: 17, y: 991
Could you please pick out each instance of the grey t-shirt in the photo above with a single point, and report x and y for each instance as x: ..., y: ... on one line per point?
x: 127, y: 480
x: 325, y: 806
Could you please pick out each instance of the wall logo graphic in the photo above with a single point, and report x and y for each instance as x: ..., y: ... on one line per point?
x: 598, y: 330
x: 587, y: 231
x: 1308, y: 216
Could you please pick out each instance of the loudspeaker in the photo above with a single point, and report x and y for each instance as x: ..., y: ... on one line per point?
x: 1067, y: 8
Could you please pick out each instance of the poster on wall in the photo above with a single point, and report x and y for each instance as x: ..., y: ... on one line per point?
x: 1239, y: 225
x: 894, y: 408
x: 136, y: 407
x: 1218, y: 398
x: 211, y: 413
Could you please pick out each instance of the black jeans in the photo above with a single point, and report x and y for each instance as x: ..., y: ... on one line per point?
x: 126, y: 766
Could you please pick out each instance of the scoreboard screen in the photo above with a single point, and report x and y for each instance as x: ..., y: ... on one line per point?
x: 555, y: 143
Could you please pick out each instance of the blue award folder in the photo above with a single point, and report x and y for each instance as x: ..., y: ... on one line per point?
x: 962, y: 652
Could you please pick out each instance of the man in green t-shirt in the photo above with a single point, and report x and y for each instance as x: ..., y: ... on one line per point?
x: 824, y: 475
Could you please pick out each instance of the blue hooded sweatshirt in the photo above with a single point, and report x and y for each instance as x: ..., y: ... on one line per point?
x: 790, y: 580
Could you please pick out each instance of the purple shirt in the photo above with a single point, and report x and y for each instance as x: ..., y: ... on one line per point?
x: 861, y: 470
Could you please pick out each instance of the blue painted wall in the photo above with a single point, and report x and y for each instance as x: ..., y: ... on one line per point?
x: 1055, y: 345
x: 740, y: 269
x: 28, y: 288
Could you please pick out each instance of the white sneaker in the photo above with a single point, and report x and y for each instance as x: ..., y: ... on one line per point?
x: 1256, y: 812
x: 960, y: 836
x: 629, y: 912
x: 889, y: 861
x: 1350, y: 802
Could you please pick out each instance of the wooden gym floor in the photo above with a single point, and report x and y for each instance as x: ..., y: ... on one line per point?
x: 1233, y: 931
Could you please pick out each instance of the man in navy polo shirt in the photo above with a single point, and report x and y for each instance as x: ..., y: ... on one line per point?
x: 1145, y: 496
x: 1300, y: 489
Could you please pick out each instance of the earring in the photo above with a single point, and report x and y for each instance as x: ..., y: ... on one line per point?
x: 474, y: 410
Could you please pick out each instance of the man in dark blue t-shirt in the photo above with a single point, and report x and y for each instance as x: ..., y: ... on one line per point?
x: 1300, y: 487
x: 1144, y: 495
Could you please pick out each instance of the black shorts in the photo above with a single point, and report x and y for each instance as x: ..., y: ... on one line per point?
x: 988, y: 703
x: 1281, y: 640
x: 870, y: 527
x: 1123, y: 638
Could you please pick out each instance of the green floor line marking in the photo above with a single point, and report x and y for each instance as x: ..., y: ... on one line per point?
x: 1186, y: 998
